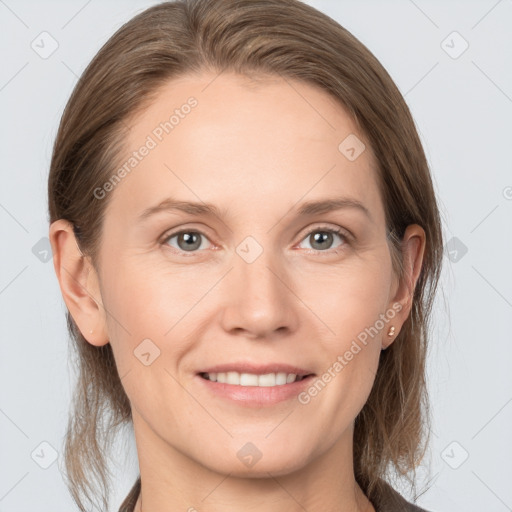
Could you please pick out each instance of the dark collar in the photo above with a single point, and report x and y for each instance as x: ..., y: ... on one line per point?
x: 391, y: 501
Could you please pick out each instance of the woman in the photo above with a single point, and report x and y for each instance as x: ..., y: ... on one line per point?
x: 207, y: 153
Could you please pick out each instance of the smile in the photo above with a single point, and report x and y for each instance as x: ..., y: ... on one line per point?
x: 251, y: 379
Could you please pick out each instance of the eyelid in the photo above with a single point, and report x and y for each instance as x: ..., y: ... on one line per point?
x: 176, y: 231
x: 343, y: 233
x: 333, y: 228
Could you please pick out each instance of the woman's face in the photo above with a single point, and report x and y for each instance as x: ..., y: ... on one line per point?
x: 258, y: 282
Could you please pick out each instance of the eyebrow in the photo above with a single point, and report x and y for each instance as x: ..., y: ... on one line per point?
x: 327, y: 205
x: 206, y: 209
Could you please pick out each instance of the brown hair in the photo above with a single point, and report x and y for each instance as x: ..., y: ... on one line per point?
x: 250, y: 37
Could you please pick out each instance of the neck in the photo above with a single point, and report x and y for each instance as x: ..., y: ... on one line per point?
x: 170, y: 480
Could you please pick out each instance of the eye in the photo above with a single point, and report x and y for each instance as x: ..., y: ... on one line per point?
x: 191, y: 241
x: 323, y: 238
x: 188, y: 241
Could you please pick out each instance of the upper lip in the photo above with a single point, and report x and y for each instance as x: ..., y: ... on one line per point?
x: 257, y: 369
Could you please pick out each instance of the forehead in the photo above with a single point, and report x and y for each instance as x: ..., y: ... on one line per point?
x: 249, y: 144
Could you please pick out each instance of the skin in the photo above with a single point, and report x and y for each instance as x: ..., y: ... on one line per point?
x: 256, y: 151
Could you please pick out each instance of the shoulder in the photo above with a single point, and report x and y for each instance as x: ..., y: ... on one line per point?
x: 391, y: 501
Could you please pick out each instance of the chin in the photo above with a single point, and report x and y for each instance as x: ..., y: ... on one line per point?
x: 249, y: 461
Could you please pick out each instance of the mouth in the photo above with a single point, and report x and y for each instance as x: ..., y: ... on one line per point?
x: 252, y: 379
x: 251, y: 385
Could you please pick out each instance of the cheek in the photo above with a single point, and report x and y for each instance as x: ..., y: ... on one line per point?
x: 353, y: 305
x: 351, y: 297
x: 148, y: 330
x: 151, y: 302
x: 352, y: 301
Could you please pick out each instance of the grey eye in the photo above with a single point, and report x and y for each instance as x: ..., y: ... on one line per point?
x: 322, y: 239
x: 186, y: 240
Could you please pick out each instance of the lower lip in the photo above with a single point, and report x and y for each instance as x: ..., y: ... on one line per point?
x: 256, y: 396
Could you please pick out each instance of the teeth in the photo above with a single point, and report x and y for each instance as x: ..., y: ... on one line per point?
x: 247, y: 379
x: 290, y: 378
x: 231, y: 378
x: 250, y: 379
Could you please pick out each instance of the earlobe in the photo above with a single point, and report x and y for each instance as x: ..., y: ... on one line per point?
x: 78, y: 283
x: 413, y: 249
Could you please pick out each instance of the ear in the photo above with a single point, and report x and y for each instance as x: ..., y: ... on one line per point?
x: 413, y: 249
x: 79, y: 283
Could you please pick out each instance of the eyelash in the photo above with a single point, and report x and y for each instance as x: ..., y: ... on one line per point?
x: 337, y: 231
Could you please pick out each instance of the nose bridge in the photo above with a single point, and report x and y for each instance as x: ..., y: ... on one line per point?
x: 260, y: 299
x: 256, y: 268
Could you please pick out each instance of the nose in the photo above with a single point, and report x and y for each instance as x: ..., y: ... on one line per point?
x: 259, y: 299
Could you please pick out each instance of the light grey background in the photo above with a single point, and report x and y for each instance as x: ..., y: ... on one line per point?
x: 462, y: 105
